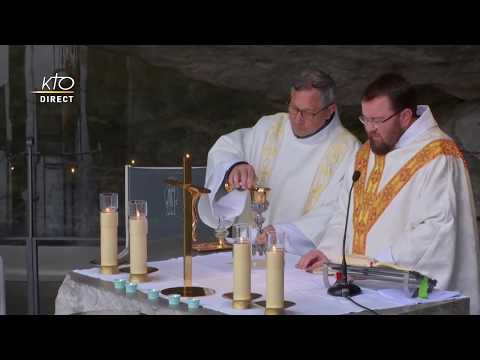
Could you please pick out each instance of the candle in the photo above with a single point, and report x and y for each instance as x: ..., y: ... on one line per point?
x: 131, y: 288
x: 193, y: 304
x: 138, y: 245
x: 138, y: 229
x: 275, y: 269
x: 153, y: 294
x: 241, y: 269
x: 187, y: 169
x: 108, y: 237
x: 174, y: 299
x: 119, y: 284
x: 108, y: 231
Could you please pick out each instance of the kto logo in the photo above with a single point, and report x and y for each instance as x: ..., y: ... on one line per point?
x: 60, y: 85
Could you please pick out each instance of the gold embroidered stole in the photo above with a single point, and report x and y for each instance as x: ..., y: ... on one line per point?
x: 328, y: 166
x: 369, y: 203
x: 270, y: 149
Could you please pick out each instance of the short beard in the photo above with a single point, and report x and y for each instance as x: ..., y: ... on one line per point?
x: 379, y: 149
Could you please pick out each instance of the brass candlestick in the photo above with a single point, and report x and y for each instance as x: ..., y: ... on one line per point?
x: 191, y: 195
x: 259, y: 204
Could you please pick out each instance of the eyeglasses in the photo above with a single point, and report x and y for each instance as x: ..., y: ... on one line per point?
x: 366, y: 121
x: 306, y: 115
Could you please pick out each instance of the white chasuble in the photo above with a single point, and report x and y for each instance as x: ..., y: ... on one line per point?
x: 303, y: 174
x: 414, y: 208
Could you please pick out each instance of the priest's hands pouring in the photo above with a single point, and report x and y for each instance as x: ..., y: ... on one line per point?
x: 242, y: 177
x: 312, y: 260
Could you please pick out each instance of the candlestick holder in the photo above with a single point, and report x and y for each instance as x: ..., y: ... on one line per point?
x: 109, y: 269
x: 274, y: 311
x: 241, y: 304
x: 137, y: 277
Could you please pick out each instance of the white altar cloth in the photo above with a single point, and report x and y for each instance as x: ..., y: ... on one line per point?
x: 305, y: 289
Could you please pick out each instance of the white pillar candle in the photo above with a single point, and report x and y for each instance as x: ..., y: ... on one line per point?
x: 138, y: 245
x: 108, y: 237
x: 275, y: 278
x: 242, y: 270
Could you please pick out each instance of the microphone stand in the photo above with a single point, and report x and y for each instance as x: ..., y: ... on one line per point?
x: 343, y: 287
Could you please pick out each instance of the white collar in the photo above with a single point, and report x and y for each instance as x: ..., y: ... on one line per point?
x: 424, y: 122
x: 318, y: 137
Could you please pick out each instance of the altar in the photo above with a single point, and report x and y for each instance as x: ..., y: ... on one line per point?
x: 86, y: 291
x: 244, y: 281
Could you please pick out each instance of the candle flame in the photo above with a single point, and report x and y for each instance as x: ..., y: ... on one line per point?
x: 138, y: 213
x: 276, y: 248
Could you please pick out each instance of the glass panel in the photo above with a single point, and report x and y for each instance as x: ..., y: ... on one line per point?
x: 165, y: 232
x: 125, y: 110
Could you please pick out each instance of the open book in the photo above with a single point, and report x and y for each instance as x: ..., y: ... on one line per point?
x: 364, y: 261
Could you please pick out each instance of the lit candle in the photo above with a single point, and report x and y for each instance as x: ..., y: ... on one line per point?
x: 138, y: 237
x: 108, y: 237
x: 242, y: 253
x: 187, y: 169
x: 275, y: 269
x: 108, y: 229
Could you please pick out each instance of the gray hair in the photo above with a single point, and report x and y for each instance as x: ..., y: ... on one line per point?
x: 319, y: 80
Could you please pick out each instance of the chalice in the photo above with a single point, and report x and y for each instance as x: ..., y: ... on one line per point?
x: 259, y: 204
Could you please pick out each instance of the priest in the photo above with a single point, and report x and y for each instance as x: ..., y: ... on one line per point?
x: 302, y: 155
x: 412, y: 205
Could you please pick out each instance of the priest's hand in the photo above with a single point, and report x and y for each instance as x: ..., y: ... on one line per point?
x: 242, y: 177
x: 262, y: 237
x: 312, y: 260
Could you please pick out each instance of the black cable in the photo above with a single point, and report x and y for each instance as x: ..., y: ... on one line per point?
x: 362, y: 306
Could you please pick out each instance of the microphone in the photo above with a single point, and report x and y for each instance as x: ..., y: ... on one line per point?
x: 342, y: 287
